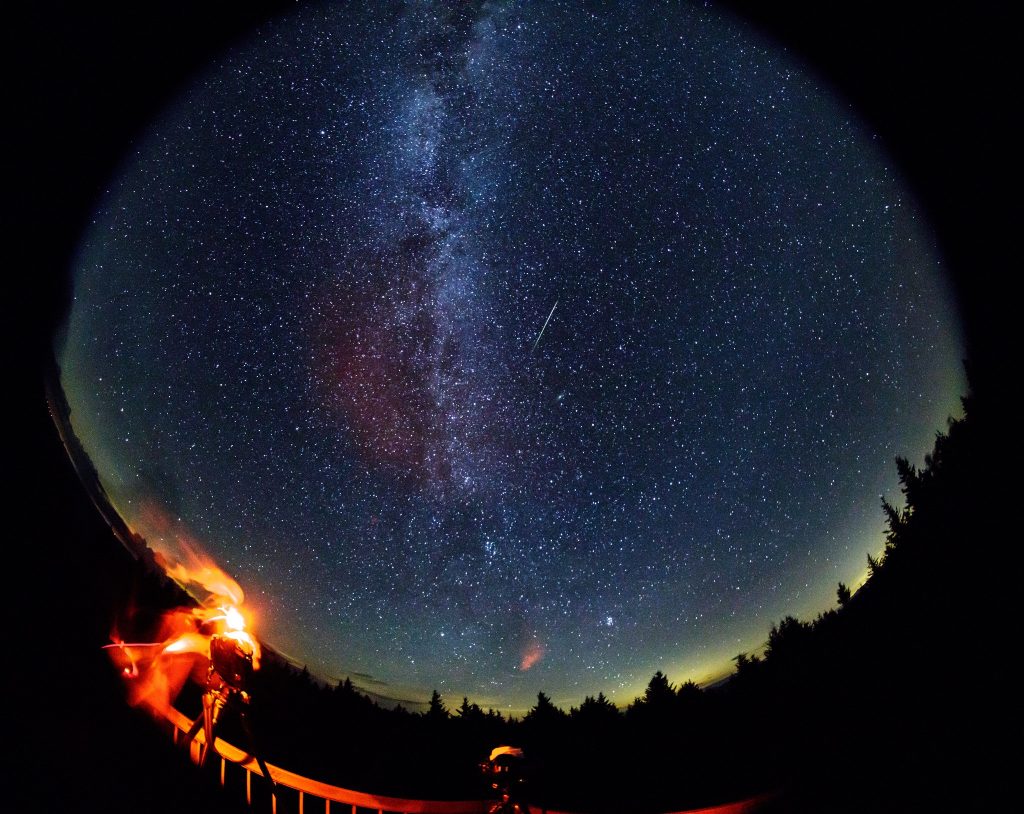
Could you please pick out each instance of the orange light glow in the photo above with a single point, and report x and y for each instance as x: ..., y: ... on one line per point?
x: 233, y: 619
x: 156, y: 670
x: 195, y: 570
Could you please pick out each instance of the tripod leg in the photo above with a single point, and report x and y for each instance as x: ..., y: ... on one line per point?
x: 203, y: 722
x: 197, y: 724
x: 244, y: 719
x: 213, y: 704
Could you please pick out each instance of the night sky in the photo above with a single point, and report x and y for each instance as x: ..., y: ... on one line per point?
x: 511, y: 347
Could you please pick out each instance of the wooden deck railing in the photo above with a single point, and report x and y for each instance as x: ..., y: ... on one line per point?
x: 315, y: 797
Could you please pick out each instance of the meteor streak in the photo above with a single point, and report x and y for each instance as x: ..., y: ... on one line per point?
x: 544, y: 328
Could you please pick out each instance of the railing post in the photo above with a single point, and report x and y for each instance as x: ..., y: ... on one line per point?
x: 223, y: 764
x: 248, y: 787
x: 302, y: 802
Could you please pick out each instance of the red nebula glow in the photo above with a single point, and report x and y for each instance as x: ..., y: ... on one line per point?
x: 532, y: 655
x: 374, y: 376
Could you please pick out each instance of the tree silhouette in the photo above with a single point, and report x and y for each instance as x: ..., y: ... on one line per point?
x: 470, y: 713
x: 787, y: 639
x: 689, y: 691
x: 659, y: 692
x: 436, y: 710
x: 544, y: 713
x: 596, y: 710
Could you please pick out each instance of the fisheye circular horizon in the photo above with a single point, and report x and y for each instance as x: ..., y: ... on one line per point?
x: 506, y: 347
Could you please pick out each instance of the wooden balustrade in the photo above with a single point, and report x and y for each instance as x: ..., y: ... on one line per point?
x: 315, y: 797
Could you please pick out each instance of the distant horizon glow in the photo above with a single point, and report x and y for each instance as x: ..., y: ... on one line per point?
x: 511, y: 349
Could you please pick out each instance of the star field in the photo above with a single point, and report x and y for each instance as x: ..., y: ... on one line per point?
x: 503, y: 347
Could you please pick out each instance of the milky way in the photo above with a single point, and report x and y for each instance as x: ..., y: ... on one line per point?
x: 507, y: 347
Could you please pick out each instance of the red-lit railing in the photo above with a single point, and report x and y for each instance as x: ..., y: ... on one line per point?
x: 315, y: 797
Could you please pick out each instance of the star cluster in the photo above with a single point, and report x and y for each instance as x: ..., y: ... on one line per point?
x: 498, y: 347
